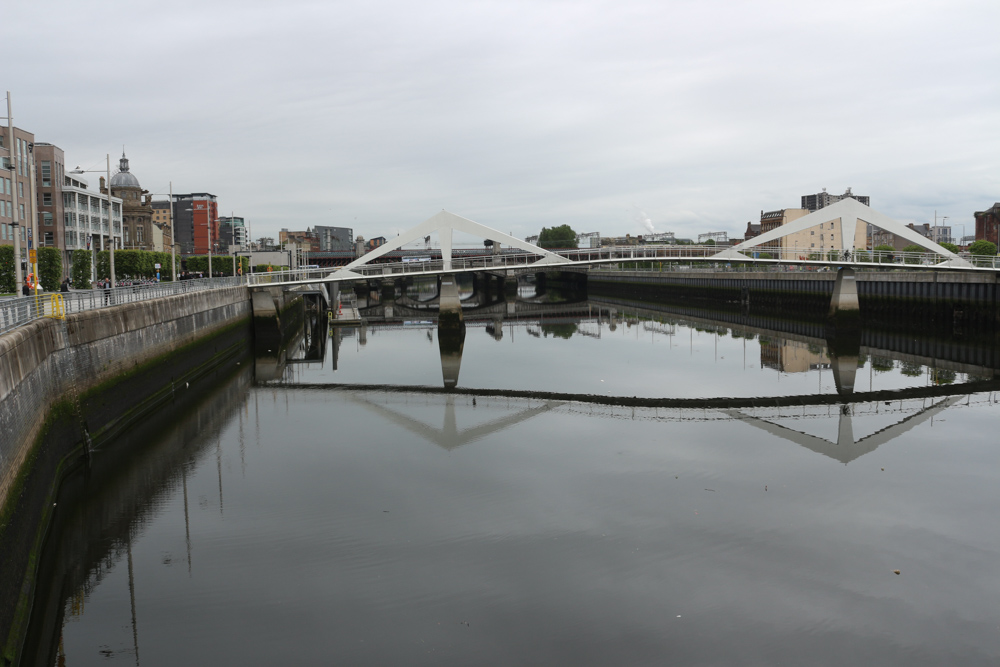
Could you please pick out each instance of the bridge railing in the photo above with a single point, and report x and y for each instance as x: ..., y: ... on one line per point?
x: 761, y: 256
x: 17, y: 311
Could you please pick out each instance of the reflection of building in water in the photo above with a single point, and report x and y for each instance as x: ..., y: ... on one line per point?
x: 790, y: 356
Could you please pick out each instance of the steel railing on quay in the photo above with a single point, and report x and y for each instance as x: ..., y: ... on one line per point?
x: 17, y: 311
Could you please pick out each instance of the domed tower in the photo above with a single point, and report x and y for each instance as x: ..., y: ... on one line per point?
x: 137, y: 209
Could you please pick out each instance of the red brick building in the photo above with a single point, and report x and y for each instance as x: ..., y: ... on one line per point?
x: 988, y: 224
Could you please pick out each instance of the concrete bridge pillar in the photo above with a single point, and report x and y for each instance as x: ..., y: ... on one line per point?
x: 844, y: 347
x: 509, y: 287
x: 451, y: 331
x: 845, y: 310
x: 450, y: 306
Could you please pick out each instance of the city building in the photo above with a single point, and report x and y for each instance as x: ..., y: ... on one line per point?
x: 85, y: 216
x: 882, y: 237
x: 334, y: 238
x: 941, y: 234
x: 988, y: 224
x: 196, y: 218
x: 771, y: 220
x: 304, y: 239
x: 232, y: 233
x: 49, y: 172
x: 753, y: 230
x: 137, y: 208
x: 823, y: 199
x: 161, y: 225
x: 823, y: 237
x: 15, y: 171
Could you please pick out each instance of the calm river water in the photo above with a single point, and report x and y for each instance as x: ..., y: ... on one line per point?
x: 304, y: 520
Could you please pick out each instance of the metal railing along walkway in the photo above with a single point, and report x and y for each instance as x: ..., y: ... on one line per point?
x: 17, y: 311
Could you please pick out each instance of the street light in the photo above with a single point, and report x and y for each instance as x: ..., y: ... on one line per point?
x: 111, y: 214
x: 13, y: 179
x: 173, y: 245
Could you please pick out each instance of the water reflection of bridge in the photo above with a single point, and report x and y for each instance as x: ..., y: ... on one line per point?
x: 592, y: 317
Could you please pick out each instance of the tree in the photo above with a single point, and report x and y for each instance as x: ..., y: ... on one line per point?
x: 709, y: 242
x: 562, y: 236
x: 950, y: 247
x: 103, y: 265
x: 49, y: 268
x: 8, y: 278
x: 983, y: 247
x: 886, y: 251
x: 913, y: 247
x: 81, y: 269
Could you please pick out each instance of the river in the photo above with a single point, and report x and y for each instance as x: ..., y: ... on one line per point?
x: 340, y: 505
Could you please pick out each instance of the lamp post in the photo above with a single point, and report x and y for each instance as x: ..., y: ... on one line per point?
x: 111, y: 215
x: 13, y: 178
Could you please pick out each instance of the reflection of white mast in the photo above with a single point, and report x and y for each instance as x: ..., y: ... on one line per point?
x: 448, y: 436
x: 846, y: 449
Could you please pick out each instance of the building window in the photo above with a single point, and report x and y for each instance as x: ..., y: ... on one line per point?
x: 50, y: 239
x: 47, y: 218
x: 46, y: 199
x: 126, y: 235
x: 20, y: 188
x: 46, y: 174
x: 139, y: 234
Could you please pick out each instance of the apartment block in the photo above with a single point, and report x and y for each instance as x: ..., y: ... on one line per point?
x: 196, y: 218
x: 823, y: 199
x: 15, y: 199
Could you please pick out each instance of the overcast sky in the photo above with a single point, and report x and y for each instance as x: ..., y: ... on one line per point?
x: 375, y: 115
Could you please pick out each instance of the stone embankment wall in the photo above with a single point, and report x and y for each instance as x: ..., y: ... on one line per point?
x: 92, y: 375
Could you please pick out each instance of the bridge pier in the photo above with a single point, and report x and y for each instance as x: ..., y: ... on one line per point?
x: 449, y: 304
x: 845, y: 311
x: 451, y: 330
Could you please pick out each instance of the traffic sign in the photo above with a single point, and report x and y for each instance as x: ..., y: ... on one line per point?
x: 32, y: 256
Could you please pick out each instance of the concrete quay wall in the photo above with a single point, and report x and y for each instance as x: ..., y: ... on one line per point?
x: 945, y: 296
x: 95, y: 373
